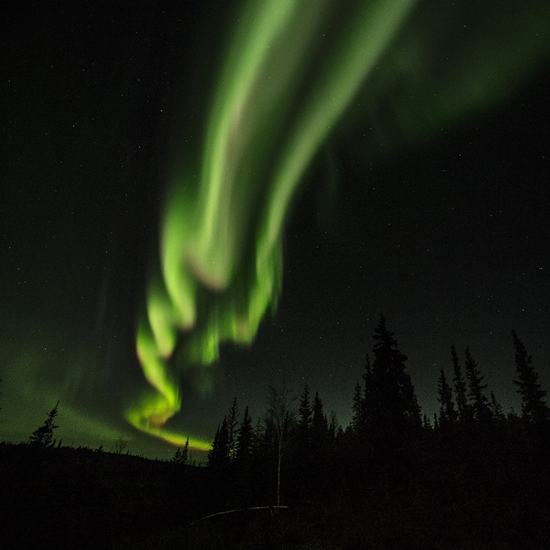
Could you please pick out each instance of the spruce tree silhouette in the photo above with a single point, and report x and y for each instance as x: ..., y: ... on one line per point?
x: 478, y: 400
x: 447, y: 411
x: 305, y: 412
x: 181, y: 455
x: 463, y: 409
x: 43, y: 436
x: 534, y: 407
x: 218, y: 456
x: 395, y: 406
x: 392, y: 413
x: 244, y: 439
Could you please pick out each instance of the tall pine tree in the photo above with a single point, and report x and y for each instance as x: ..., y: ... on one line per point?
x: 218, y: 456
x: 232, y: 428
x: 391, y: 407
x: 447, y: 412
x: 304, y: 413
x: 244, y: 439
x: 358, y: 410
x: 463, y: 410
x: 319, y: 424
x: 478, y: 400
x: 534, y: 407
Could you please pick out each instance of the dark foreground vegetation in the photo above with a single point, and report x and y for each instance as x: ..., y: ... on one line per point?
x: 470, y: 478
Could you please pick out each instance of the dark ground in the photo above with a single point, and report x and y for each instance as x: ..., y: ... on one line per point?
x: 79, y: 498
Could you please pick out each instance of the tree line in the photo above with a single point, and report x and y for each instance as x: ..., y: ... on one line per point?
x: 295, y: 452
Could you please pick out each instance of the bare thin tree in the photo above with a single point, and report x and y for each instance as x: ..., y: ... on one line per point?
x: 281, y: 415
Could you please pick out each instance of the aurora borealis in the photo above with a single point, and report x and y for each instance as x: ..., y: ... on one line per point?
x: 106, y: 140
x: 226, y: 235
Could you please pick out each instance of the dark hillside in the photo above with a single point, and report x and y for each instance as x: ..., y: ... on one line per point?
x: 63, y: 497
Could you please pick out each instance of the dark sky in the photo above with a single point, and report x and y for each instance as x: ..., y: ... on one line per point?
x: 445, y: 234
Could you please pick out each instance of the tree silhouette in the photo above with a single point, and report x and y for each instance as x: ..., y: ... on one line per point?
x: 476, y: 395
x: 218, y: 456
x: 232, y: 428
x: 447, y: 412
x: 358, y: 410
x: 304, y: 413
x: 181, y: 456
x: 43, y: 436
x: 392, y: 413
x: 496, y: 409
x: 533, y: 404
x: 244, y: 439
x: 280, y: 416
x: 319, y: 424
x: 464, y: 413
x: 121, y: 443
x: 393, y: 401
x: 388, y: 454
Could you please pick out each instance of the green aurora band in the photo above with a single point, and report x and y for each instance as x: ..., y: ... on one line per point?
x: 293, y: 68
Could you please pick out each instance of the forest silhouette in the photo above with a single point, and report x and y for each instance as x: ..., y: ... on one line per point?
x: 470, y: 477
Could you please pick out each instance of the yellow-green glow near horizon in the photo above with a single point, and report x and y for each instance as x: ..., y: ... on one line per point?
x: 292, y: 69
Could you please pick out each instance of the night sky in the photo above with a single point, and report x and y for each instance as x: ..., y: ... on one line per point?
x: 425, y: 203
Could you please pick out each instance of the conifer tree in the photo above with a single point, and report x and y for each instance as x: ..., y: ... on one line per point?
x: 534, y: 407
x: 257, y: 440
x: 302, y: 445
x: 176, y: 458
x: 363, y: 401
x: 185, y: 452
x: 463, y: 409
x: 496, y: 409
x: 319, y: 424
x: 181, y: 455
x: 304, y: 413
x: 218, y: 456
x: 244, y: 439
x: 476, y: 395
x: 392, y: 413
x: 358, y: 408
x: 333, y: 429
x: 232, y: 428
x: 447, y: 412
x: 391, y: 399
x: 319, y: 451
x: 43, y: 436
